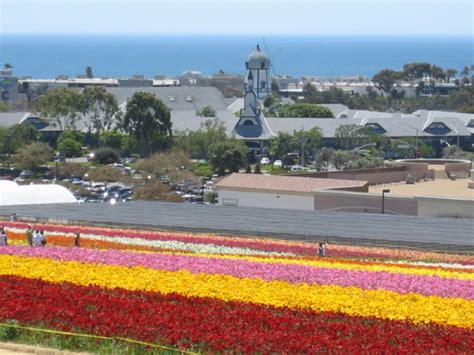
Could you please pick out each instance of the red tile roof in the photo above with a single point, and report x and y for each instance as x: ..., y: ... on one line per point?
x: 284, y: 183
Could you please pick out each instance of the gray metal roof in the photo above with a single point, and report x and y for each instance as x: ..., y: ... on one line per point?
x: 189, y: 121
x: 437, y: 233
x: 177, y: 98
x: 394, y: 127
x: 8, y: 119
x: 336, y: 109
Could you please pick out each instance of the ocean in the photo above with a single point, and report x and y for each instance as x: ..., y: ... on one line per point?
x: 118, y: 55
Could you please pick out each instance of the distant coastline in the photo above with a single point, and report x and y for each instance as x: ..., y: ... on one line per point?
x: 124, y: 55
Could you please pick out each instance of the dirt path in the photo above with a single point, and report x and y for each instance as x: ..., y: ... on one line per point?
x: 17, y: 349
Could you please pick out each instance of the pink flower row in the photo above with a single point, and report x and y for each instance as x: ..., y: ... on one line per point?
x: 400, y: 283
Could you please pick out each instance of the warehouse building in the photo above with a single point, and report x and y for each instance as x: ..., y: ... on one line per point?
x: 272, y: 191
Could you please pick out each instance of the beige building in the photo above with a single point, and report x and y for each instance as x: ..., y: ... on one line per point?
x: 272, y: 191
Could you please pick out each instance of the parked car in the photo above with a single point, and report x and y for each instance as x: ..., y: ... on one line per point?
x: 98, y: 188
x: 265, y: 161
x: 297, y: 168
x: 278, y: 163
x: 165, y: 179
x: 124, y: 193
x: 25, y: 174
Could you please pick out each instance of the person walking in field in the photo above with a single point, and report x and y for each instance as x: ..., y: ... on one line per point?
x: 322, y: 249
x: 43, y: 239
x: 3, y: 238
x: 37, y: 239
x: 29, y: 235
x: 77, y: 240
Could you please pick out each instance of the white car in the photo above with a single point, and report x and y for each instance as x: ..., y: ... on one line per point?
x: 297, y: 168
x: 278, y: 163
x: 264, y: 161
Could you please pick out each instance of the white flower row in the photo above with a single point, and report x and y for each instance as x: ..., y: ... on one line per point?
x: 168, y: 244
x: 423, y: 263
x: 177, y: 245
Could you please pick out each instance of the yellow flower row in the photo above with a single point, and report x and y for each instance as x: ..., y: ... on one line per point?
x: 348, y: 300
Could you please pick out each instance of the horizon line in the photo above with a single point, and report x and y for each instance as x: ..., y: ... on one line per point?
x: 244, y: 34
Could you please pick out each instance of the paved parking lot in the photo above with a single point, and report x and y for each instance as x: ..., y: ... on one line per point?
x: 374, y: 229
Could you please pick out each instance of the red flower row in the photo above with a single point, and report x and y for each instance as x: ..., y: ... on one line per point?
x: 215, y: 325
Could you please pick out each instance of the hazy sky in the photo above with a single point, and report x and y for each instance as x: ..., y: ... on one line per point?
x: 396, y: 17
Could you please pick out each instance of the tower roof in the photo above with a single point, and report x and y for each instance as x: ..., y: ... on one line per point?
x: 257, y: 60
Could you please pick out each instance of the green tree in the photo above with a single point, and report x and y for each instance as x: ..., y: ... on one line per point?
x: 351, y: 135
x: 32, y: 156
x: 282, y: 145
x: 304, y: 110
x: 89, y: 73
x: 438, y: 73
x: 21, y: 135
x: 416, y: 71
x: 197, y: 143
x: 339, y: 159
x: 275, y: 88
x: 106, y: 155
x: 461, y: 99
x: 465, y: 71
x: 323, y: 158
x: 148, y: 120
x: 61, y: 107
x: 3, y: 107
x: 309, y: 141
x: 269, y: 101
x: 386, y: 79
x: 206, y: 111
x: 102, y: 108
x: 450, y: 74
x: 453, y: 152
x: 112, y: 139
x: 258, y: 168
x: 229, y: 155
x: 70, y: 143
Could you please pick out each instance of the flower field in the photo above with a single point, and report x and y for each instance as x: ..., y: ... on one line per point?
x: 212, y: 293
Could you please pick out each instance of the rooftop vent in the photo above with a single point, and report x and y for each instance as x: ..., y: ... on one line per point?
x: 189, y: 99
x: 171, y: 99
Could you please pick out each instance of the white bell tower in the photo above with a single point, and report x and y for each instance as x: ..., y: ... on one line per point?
x: 257, y: 78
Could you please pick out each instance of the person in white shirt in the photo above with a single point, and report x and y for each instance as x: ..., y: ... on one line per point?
x: 3, y: 238
x: 37, y: 239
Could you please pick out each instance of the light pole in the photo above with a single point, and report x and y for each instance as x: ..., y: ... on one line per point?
x: 56, y: 170
x: 384, y: 191
x: 302, y: 151
x: 8, y: 139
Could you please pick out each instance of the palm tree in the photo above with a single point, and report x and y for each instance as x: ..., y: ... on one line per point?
x: 451, y: 73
